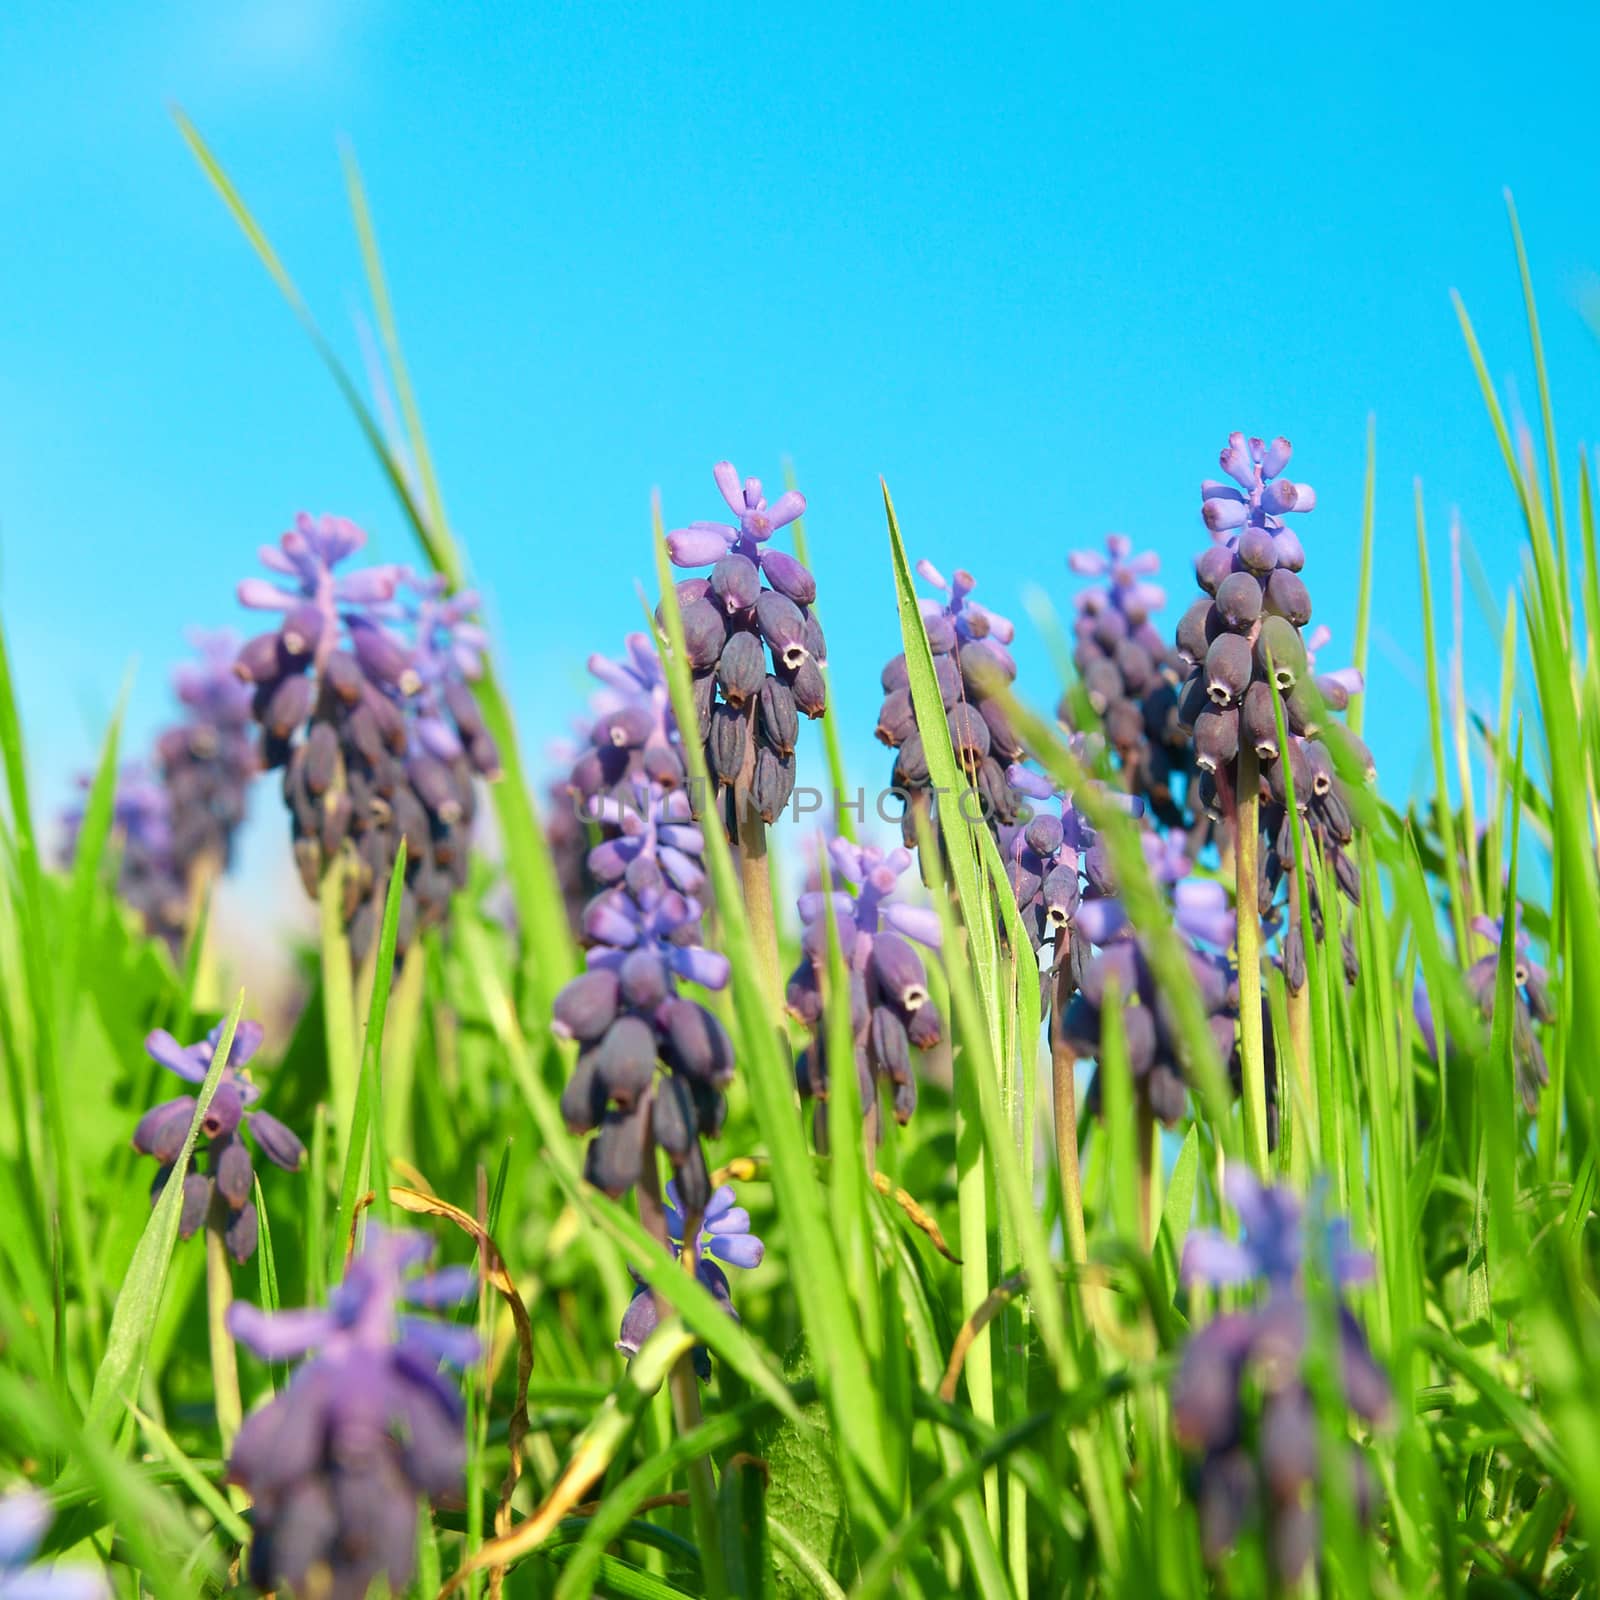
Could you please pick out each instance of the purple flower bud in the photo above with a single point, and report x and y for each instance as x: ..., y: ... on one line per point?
x: 196, y: 1203
x: 1216, y: 739
x: 772, y: 783
x: 625, y: 1060
x: 1258, y: 722
x: 784, y: 629
x: 808, y: 688
x: 233, y: 1173
x: 789, y: 577
x: 1280, y: 652
x: 899, y: 970
x: 277, y: 1143
x: 703, y: 634
x: 779, y: 718
x: 742, y: 668
x: 1257, y: 551
x: 673, y: 1118
x: 698, y: 544
x: 695, y: 1042
x: 736, y: 582
x: 726, y: 746
x: 585, y: 1006
x: 1238, y: 601
x: 261, y: 660
x: 1212, y: 565
x: 1227, y: 669
x: 969, y: 734
x: 1288, y: 597
x: 1194, y: 636
x: 616, y: 1154
x: 382, y: 657
x: 162, y: 1129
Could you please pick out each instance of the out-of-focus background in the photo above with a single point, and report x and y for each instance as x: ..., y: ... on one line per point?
x: 1031, y: 266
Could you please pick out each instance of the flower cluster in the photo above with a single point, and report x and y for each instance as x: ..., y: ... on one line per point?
x: 174, y: 821
x: 1242, y: 638
x: 1261, y: 1463
x: 379, y: 739
x: 724, y: 1239
x: 1054, y: 861
x: 207, y: 760
x: 890, y: 1011
x: 24, y: 1517
x: 732, y: 621
x: 368, y: 1426
x: 148, y: 880
x: 1148, y: 1022
x: 971, y: 662
x: 1530, y: 1001
x: 219, y: 1194
x: 1131, y: 675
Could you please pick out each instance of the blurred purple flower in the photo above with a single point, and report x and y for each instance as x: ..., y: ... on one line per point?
x: 221, y: 1194
x: 1264, y: 1460
x: 891, y: 1013
x: 25, y: 1515
x: 337, y: 1463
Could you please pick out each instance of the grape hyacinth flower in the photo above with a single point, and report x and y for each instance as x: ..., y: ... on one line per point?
x: 632, y: 736
x: 220, y: 1195
x: 148, y: 880
x: 25, y: 1514
x: 174, y: 821
x: 378, y: 737
x: 368, y: 1427
x: 1261, y: 1462
x: 1131, y: 674
x: 971, y: 662
x: 1245, y: 633
x: 756, y: 603
x: 725, y: 1239
x: 207, y: 761
x: 1530, y: 1003
x: 625, y: 1011
x: 1148, y: 1022
x: 1054, y: 861
x: 890, y: 1011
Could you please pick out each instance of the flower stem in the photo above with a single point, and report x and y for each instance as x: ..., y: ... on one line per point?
x: 224, y: 1359
x: 683, y: 1383
x: 755, y: 875
x: 1246, y: 857
x: 1065, y: 1093
x: 1300, y: 1028
x: 338, y: 1007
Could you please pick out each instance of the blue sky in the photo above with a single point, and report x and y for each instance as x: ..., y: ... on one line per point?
x: 1031, y: 264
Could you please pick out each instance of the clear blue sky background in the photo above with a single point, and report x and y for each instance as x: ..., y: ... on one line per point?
x: 1031, y: 264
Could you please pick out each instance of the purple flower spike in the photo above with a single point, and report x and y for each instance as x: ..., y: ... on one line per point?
x: 24, y: 1517
x: 1261, y: 1458
x: 973, y: 666
x: 1530, y: 1004
x: 755, y: 648
x: 338, y: 1462
x: 1129, y: 674
x: 221, y: 1195
x: 1243, y: 643
x: 653, y: 1063
x: 724, y: 1237
x: 891, y: 1014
